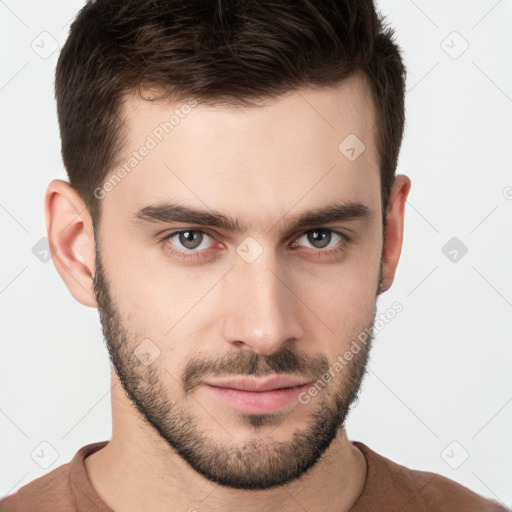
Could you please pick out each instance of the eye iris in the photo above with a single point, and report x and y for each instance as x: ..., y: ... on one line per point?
x: 189, y: 239
x: 315, y: 237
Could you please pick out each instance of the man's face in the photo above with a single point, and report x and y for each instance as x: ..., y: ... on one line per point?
x: 211, y: 303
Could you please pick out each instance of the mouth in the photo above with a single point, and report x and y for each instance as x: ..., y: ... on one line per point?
x: 251, y: 395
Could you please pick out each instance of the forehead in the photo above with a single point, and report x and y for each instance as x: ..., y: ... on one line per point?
x: 297, y: 151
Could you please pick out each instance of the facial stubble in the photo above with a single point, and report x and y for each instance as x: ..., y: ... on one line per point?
x: 261, y: 462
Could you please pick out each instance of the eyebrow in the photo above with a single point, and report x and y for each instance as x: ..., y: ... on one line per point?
x: 169, y: 212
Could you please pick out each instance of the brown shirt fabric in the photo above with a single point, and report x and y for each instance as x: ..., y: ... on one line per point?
x: 389, y: 487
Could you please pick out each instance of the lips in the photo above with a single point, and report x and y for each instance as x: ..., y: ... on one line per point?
x: 259, y: 384
x: 250, y: 395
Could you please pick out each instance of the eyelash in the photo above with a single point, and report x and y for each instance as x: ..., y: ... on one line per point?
x: 192, y: 254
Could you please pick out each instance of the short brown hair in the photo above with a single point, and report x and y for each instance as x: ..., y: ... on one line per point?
x: 218, y: 52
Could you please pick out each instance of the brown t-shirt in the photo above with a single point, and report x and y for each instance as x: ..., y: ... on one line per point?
x: 389, y: 487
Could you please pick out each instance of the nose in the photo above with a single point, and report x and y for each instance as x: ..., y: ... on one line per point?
x: 261, y: 306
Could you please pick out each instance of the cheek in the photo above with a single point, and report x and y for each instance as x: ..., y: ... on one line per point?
x: 343, y: 310
x: 343, y: 297
x: 166, y: 305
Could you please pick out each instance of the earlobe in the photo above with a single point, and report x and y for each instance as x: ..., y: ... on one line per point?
x: 70, y: 230
x: 394, y: 230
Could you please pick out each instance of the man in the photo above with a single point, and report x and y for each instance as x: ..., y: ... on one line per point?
x: 233, y: 212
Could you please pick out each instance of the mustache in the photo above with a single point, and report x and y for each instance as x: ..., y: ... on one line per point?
x: 246, y: 362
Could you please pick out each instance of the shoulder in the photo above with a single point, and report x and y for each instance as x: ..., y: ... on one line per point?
x: 416, y: 490
x: 54, y: 490
x: 39, y: 494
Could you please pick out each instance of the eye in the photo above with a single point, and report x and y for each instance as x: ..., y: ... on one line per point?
x: 194, y: 243
x: 189, y: 242
x: 190, y: 239
x: 323, y: 240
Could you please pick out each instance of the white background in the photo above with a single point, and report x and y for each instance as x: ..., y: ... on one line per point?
x: 440, y: 371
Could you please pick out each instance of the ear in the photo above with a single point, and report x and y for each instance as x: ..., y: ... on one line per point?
x: 394, y: 230
x: 69, y: 228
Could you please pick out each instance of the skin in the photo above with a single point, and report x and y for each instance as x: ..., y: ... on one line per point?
x: 214, y: 315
